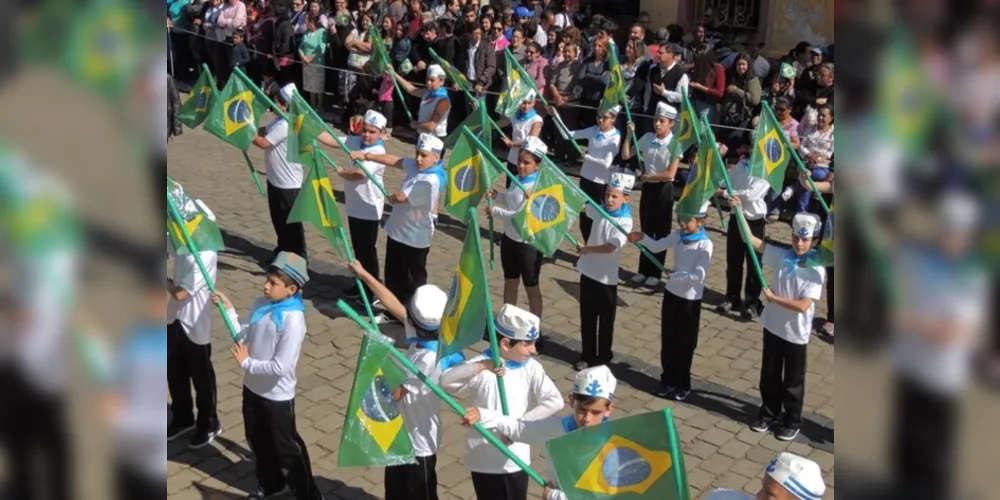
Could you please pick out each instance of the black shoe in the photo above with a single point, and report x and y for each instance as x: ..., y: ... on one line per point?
x: 786, y: 433
x: 664, y: 390
x: 203, y: 438
x: 259, y: 494
x: 749, y: 314
x: 760, y: 425
x: 724, y: 307
x: 175, y: 431
x: 681, y: 394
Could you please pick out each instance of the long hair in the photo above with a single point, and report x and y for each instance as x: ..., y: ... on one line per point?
x: 736, y: 78
x: 606, y: 46
x: 639, y: 49
x: 704, y: 65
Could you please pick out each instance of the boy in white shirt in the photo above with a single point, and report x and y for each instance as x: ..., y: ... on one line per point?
x: 411, y: 225
x: 751, y: 191
x: 268, y: 352
x: 494, y: 476
x: 680, y: 315
x: 787, y: 320
x: 592, y: 399
x: 598, y: 266
x: 603, y: 141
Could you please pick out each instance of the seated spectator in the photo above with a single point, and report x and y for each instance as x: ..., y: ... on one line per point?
x: 816, y: 150
x: 815, y: 96
x: 740, y: 102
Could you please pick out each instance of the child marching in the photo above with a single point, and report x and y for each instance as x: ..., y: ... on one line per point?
x: 602, y: 147
x: 751, y: 191
x: 526, y: 123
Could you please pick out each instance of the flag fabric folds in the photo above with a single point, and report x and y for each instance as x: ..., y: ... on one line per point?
x: 303, y: 130
x: 454, y: 75
x: 550, y: 211
x: 475, y: 122
x: 636, y: 457
x: 379, y: 61
x: 199, y: 220
x: 516, y: 89
x: 465, y: 314
x: 202, y: 100
x: 469, y: 176
x: 702, y: 180
x: 770, y: 155
x: 374, y: 434
x: 616, y: 83
x: 317, y: 206
x: 688, y: 128
x: 236, y: 114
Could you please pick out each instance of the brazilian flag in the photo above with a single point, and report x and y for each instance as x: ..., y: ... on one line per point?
x: 702, y: 180
x: 454, y: 75
x: 550, y: 211
x: 476, y: 122
x: 374, y: 434
x: 906, y: 97
x: 465, y: 314
x: 236, y: 113
x: 616, y: 83
x: 469, y: 177
x: 687, y: 129
x: 198, y: 219
x: 380, y: 56
x: 516, y: 89
x: 303, y: 130
x: 770, y: 156
x: 636, y: 457
x: 317, y: 206
x: 202, y: 100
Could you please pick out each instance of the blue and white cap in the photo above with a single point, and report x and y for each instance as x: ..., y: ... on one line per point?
x: 516, y: 323
x: 426, y: 307
x: 375, y: 118
x: 430, y: 144
x: 617, y: 108
x: 287, y: 93
x: 800, y: 476
x: 293, y: 265
x: 535, y: 146
x: 806, y: 225
x: 596, y: 381
x: 623, y: 181
x: 435, y: 71
x: 667, y: 111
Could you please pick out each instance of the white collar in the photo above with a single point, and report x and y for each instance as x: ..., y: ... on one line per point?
x: 668, y: 68
x: 665, y: 140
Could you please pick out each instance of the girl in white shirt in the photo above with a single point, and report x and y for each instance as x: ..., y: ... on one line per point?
x: 603, y: 143
x: 681, y: 311
x: 526, y: 123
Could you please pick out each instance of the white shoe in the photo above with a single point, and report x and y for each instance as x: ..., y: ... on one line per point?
x: 787, y: 193
x: 637, y: 279
x: 382, y: 318
x: 652, y: 282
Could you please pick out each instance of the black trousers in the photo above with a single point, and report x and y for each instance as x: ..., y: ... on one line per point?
x: 276, y: 445
x: 596, y: 192
x: 511, y: 486
x: 924, y: 440
x: 405, y: 269
x: 598, y: 304
x: 511, y: 172
x: 134, y: 485
x: 679, y: 322
x: 656, y: 214
x: 738, y: 252
x: 190, y: 364
x: 829, y: 295
x: 291, y: 236
x: 413, y: 481
x: 782, y: 381
x: 364, y: 235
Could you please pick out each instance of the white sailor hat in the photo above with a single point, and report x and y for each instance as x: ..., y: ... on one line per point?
x: 800, y: 476
x: 375, y: 118
x: 530, y: 96
x: 287, y: 93
x: 435, y: 71
x: 204, y: 208
x: 430, y: 144
x: 535, y: 146
x: 806, y: 225
x: 667, y: 111
x: 623, y: 181
x: 516, y: 323
x: 426, y: 307
x: 596, y: 381
x: 617, y: 108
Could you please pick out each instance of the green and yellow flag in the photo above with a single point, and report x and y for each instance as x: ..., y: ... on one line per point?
x: 104, y: 46
x: 380, y: 56
x: 374, y: 434
x: 198, y: 219
x: 550, y: 211
x: 475, y: 122
x: 303, y: 131
x: 454, y: 75
x: 317, y: 206
x: 516, y: 89
x: 202, y: 100
x: 469, y: 177
x: 770, y: 156
x: 702, y: 180
x: 465, y: 314
x: 636, y: 457
x: 236, y: 114
x: 688, y: 128
x: 906, y: 97
x: 615, y: 90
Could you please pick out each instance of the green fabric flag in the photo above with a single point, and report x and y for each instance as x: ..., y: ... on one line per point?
x: 374, y: 434
x: 379, y: 61
x: 304, y: 129
x: 454, y: 75
x: 317, y: 206
x: 702, y: 180
x: 236, y: 114
x: 636, y: 457
x: 465, y: 314
x: 788, y: 71
x: 469, y: 177
x: 475, y: 122
x: 906, y: 100
x: 688, y: 128
x: 616, y: 83
x: 823, y: 254
x: 515, y: 91
x: 550, y: 211
x: 199, y: 220
x: 202, y: 100
x: 770, y: 156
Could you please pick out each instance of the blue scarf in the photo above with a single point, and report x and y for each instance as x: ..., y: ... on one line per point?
x: 528, y: 179
x: 600, y: 135
x: 695, y: 236
x: 623, y: 211
x: 293, y: 303
x: 434, y: 94
x: 432, y: 345
x: 379, y: 143
x: 519, y: 116
x: 512, y: 365
x: 569, y: 423
x: 438, y: 170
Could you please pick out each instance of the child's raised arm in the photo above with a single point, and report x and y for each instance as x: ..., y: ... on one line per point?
x: 389, y: 300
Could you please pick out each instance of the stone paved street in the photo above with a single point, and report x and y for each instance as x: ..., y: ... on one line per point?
x: 720, y: 451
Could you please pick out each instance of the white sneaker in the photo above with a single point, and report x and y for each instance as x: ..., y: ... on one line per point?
x: 787, y: 193
x: 637, y: 279
x: 382, y: 318
x: 652, y: 282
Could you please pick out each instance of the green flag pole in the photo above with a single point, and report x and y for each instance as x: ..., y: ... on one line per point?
x: 494, y: 344
x: 483, y: 117
x: 193, y: 248
x: 439, y: 392
x: 441, y: 62
x: 541, y: 96
x: 395, y: 83
x: 628, y: 112
x: 798, y: 159
x: 498, y: 165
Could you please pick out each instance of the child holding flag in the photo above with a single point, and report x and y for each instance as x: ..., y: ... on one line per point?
x: 494, y: 476
x: 787, y: 320
x: 602, y: 147
x: 268, y: 352
x: 752, y: 192
x: 519, y: 259
x: 680, y: 314
x: 526, y: 123
x: 598, y: 266
x: 592, y: 399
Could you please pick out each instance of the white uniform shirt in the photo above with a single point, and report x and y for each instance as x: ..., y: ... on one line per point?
x: 412, y: 223
x: 270, y: 369
x: 421, y: 408
x: 603, y: 267
x: 195, y: 313
x: 510, y: 203
x: 792, y: 282
x: 658, y: 154
x: 691, y: 263
x: 520, y: 130
x: 520, y: 383
x: 427, y: 107
x: 601, y: 150
x: 280, y: 172
x: 362, y: 200
x: 750, y: 190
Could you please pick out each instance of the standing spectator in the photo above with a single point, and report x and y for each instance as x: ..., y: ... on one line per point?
x: 311, y: 53
x: 414, y: 19
x: 401, y: 45
x: 593, y: 76
x: 517, y: 45
x: 213, y: 35
x: 666, y: 82
x: 340, y: 9
x: 562, y: 85
x: 241, y: 56
x: 562, y: 18
x: 814, y: 96
x: 758, y: 63
x: 553, y: 49
x: 452, y: 11
x: 741, y: 100
x: 316, y: 9
x: 708, y: 85
x: 478, y: 60
x: 800, y: 56
x: 635, y: 69
x: 360, y: 47
x: 398, y: 9
x: 816, y: 150
x: 260, y: 39
x: 421, y: 54
x: 298, y: 18
x: 283, y: 49
x: 462, y: 26
x: 535, y: 64
x: 446, y: 44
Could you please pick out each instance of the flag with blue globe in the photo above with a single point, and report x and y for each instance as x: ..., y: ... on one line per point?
x: 549, y: 213
x: 195, y: 110
x: 236, y: 113
x: 770, y: 155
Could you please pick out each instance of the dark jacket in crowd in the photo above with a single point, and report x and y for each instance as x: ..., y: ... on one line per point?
x: 485, y: 63
x: 241, y: 56
x: 593, y: 77
x: 284, y: 40
x: 174, y: 127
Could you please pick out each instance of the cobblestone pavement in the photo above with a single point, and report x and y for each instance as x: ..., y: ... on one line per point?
x: 720, y: 451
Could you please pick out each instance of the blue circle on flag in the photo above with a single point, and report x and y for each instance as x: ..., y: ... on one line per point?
x: 452, y: 304
x: 773, y: 148
x: 239, y: 111
x: 625, y: 467
x: 465, y: 179
x: 377, y: 403
x: 545, y: 208
x: 108, y: 42
x: 202, y: 99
